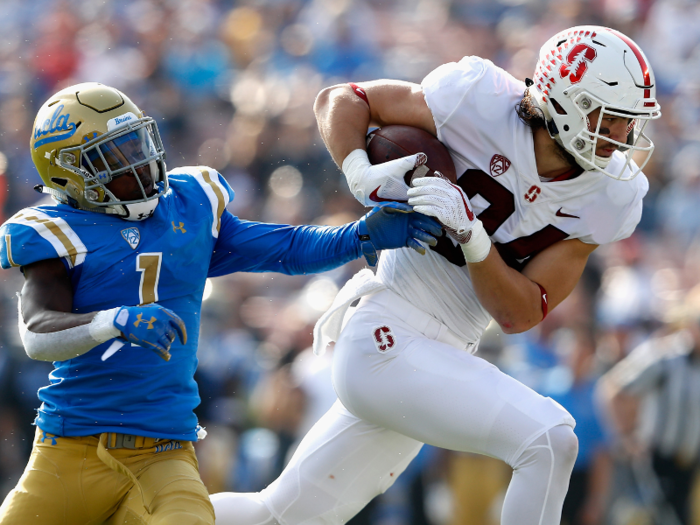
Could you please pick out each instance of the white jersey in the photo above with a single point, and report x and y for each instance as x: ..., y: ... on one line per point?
x: 473, y: 104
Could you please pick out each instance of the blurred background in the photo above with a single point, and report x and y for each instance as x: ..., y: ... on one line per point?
x: 232, y: 84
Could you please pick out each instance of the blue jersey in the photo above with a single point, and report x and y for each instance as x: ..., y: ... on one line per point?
x: 166, y: 260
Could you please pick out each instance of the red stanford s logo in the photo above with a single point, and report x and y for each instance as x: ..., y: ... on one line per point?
x: 499, y: 165
x: 577, y: 59
x: 383, y: 339
x: 532, y: 193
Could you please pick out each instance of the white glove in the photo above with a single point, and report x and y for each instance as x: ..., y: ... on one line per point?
x: 371, y: 184
x: 448, y: 203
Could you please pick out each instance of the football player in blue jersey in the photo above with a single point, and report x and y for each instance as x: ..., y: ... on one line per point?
x: 114, y: 277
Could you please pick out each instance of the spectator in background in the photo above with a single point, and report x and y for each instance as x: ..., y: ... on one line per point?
x: 652, y: 397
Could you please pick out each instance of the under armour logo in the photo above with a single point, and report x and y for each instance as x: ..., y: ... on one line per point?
x: 181, y: 227
x: 49, y: 436
x: 139, y: 320
x: 383, y: 339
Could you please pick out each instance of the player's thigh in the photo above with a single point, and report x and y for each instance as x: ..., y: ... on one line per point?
x: 340, y: 465
x: 435, y: 393
x: 172, y: 489
x: 64, y: 483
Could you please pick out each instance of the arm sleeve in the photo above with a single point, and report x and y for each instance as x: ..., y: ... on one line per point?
x: 245, y: 246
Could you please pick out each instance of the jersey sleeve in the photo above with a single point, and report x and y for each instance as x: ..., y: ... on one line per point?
x: 217, y: 191
x: 32, y: 235
x: 445, y: 87
x: 261, y: 247
x: 621, y: 211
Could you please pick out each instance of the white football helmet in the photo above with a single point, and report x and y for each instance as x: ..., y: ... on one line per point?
x: 585, y: 68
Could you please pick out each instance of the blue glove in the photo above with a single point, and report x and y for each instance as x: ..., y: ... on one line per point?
x: 396, y: 225
x: 151, y: 326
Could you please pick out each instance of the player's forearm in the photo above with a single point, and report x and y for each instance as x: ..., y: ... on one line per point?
x: 343, y: 119
x: 316, y: 249
x: 512, y: 299
x: 52, y: 321
x: 58, y: 336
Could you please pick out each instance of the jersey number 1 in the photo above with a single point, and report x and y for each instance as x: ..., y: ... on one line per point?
x: 515, y: 253
x: 149, y: 266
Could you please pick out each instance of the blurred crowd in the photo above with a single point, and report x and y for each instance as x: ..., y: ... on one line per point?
x: 231, y: 85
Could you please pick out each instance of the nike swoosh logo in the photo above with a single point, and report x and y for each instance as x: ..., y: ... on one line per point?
x: 562, y: 214
x: 376, y: 198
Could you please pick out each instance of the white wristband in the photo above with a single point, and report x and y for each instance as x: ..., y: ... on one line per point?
x: 355, y: 167
x: 69, y: 343
x: 478, y: 244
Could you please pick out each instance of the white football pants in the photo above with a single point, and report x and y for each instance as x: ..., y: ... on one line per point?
x: 401, y: 385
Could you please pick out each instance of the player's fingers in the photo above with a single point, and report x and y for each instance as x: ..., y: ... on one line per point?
x: 432, y: 211
x: 165, y: 341
x: 158, y: 348
x: 427, y: 189
x: 415, y: 245
x: 396, y: 207
x: 422, y: 236
x: 424, y: 200
x: 426, y: 181
x: 178, y: 324
x: 429, y: 224
x: 407, y: 163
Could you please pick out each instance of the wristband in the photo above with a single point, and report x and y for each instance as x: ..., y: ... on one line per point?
x: 478, y: 245
x: 68, y: 343
x: 359, y: 92
x: 543, y: 297
x: 368, y: 249
x: 354, y: 167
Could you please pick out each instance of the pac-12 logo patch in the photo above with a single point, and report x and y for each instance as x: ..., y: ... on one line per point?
x: 132, y: 236
x: 384, y: 339
x: 499, y: 165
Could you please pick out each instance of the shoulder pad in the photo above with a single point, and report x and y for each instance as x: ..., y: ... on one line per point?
x: 33, y: 235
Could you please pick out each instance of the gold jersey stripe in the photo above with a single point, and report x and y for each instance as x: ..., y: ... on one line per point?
x: 56, y: 230
x: 8, y: 245
x: 219, y: 195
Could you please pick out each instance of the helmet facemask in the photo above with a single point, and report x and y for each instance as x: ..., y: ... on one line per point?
x: 131, y: 148
x: 584, y: 144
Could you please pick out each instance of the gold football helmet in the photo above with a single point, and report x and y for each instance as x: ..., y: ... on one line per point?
x: 87, y: 135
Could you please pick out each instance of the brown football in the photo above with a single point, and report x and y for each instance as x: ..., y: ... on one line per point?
x: 396, y: 141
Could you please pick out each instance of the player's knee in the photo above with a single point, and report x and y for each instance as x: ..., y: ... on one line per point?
x: 244, y: 508
x: 557, y: 446
x: 564, y: 444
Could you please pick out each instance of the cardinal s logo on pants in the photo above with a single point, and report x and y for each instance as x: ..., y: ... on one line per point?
x: 383, y: 338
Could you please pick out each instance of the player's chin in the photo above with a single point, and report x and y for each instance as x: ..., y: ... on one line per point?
x: 606, y: 151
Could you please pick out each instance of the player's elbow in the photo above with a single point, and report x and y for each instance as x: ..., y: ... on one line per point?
x: 513, y: 324
x: 324, y: 99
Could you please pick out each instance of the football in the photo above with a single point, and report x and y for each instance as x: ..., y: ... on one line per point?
x: 396, y: 141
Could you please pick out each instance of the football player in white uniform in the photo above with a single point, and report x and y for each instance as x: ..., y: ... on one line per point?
x: 546, y: 177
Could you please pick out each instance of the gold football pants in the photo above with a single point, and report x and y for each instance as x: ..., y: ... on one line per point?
x: 75, y: 481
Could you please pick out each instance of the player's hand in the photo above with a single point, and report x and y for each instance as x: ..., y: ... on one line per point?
x: 396, y: 225
x: 445, y: 201
x: 151, y: 326
x: 372, y: 184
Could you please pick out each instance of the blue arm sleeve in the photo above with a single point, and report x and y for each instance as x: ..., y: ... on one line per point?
x: 245, y: 246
